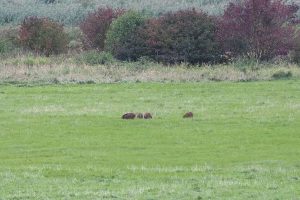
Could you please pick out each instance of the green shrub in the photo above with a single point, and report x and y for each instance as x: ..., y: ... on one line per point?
x: 30, y: 61
x: 36, y: 60
x: 76, y: 38
x: 282, y: 75
x: 244, y: 63
x: 96, y: 58
x: 5, y: 46
x: 185, y: 36
x: 120, y: 31
x: 8, y: 40
x: 43, y: 36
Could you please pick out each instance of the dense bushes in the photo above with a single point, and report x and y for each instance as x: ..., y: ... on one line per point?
x: 43, y: 36
x: 96, y: 25
x: 121, y: 32
x: 182, y: 36
x: 261, y: 29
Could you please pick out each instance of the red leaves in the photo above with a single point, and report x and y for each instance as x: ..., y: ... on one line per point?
x: 97, y: 24
x: 43, y: 36
x: 259, y: 28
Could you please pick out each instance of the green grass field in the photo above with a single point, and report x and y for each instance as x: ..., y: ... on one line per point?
x: 68, y: 141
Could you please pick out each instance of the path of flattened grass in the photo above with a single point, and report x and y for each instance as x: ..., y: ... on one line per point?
x: 68, y: 142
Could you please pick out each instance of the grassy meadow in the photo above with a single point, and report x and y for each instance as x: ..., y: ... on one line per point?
x: 69, y: 141
x: 62, y: 136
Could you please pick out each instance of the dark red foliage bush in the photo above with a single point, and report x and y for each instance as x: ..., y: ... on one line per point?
x: 175, y: 37
x: 261, y: 29
x: 97, y: 24
x: 43, y: 36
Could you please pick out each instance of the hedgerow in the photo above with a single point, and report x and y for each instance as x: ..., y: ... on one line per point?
x: 175, y: 37
x: 260, y: 29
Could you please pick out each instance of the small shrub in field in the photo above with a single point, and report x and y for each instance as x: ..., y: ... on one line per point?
x: 282, y: 75
x: 8, y: 40
x: 76, y: 38
x: 96, y: 25
x: 43, y: 36
x: 96, y: 58
x: 120, y: 32
x: 35, y: 60
x: 244, y: 63
x: 5, y: 46
x: 75, y: 46
x: 261, y: 29
x: 182, y: 36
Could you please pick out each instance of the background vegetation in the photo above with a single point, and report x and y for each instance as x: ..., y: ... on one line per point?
x: 72, y: 12
x: 165, y: 37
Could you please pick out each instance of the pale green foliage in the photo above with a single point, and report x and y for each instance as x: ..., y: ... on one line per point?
x: 121, y: 28
x: 5, y: 46
x: 8, y: 40
x: 71, y: 12
x: 15, y: 11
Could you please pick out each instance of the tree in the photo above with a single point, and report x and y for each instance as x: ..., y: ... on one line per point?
x: 96, y: 25
x: 261, y: 29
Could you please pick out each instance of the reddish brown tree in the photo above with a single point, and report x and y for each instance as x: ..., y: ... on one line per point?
x: 97, y: 24
x: 43, y: 36
x: 258, y: 28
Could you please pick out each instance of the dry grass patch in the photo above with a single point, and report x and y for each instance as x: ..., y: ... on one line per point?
x: 29, y: 69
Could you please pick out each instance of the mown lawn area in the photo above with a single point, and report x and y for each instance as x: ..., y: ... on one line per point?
x: 69, y: 141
